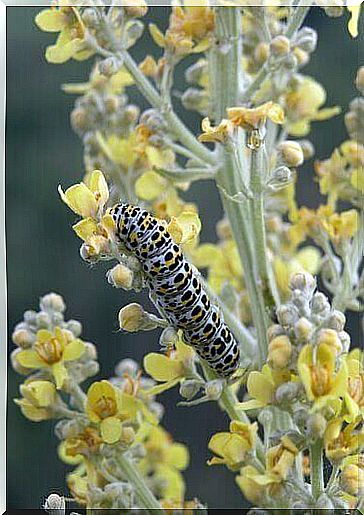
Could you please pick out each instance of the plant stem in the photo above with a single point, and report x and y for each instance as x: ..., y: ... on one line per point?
x: 298, y: 17
x: 226, y: 75
x: 180, y: 131
x: 316, y: 469
x: 144, y: 495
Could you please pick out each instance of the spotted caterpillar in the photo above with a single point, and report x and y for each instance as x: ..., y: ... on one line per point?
x: 175, y: 287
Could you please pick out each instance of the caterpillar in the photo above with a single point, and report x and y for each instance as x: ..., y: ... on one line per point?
x: 175, y: 287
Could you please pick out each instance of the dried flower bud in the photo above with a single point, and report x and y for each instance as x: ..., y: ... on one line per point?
x: 316, y: 425
x: 189, y: 388
x: 127, y: 366
x: 23, y: 338
x: 274, y: 331
x: 290, y: 153
x: 303, y: 330
x: 331, y: 338
x: 131, y: 317
x: 75, y: 327
x: 304, y: 282
x: 280, y: 45
x: 352, y: 479
x: 43, y: 320
x: 287, y: 315
x: 279, y: 352
x: 214, y: 389
x: 359, y: 80
x: 52, y: 301
x: 121, y: 277
x: 136, y: 8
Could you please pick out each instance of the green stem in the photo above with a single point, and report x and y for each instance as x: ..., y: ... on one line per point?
x: 298, y: 17
x: 144, y: 495
x: 226, y: 74
x: 316, y: 469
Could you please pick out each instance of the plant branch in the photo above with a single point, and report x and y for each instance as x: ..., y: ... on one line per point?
x: 316, y: 469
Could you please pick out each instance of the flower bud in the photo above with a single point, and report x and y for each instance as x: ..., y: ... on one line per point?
x: 30, y: 317
x: 281, y: 176
x: 127, y: 435
x: 90, y: 17
x: 75, y: 327
x: 279, y: 352
x: 286, y: 393
x: 195, y: 72
x: 120, y: 276
x: 52, y: 302
x: 304, y: 282
x: 280, y: 45
x: 112, y: 104
x: 301, y: 55
x: 335, y: 10
x: 23, y: 338
x: 189, y: 388
x: 316, y: 425
x: 290, y: 153
x: 214, y: 389
x: 57, y: 318
x: 306, y: 39
x: 352, y: 479
x: 43, y: 320
x: 345, y: 340
x: 109, y: 66
x: 127, y: 366
x: 194, y: 99
x: 290, y: 62
x: 359, y: 80
x: 136, y: 8
x: 287, y: 315
x: 261, y: 53
x: 133, y: 318
x: 275, y: 330
x: 303, y: 330
x: 153, y: 120
x: 331, y: 338
x: 320, y: 304
x: 79, y: 120
x: 325, y: 503
x: 307, y: 148
x: 168, y: 337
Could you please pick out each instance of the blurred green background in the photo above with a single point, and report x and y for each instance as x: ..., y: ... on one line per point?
x: 42, y: 251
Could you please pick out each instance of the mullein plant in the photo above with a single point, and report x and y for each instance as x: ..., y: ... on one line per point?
x: 295, y: 435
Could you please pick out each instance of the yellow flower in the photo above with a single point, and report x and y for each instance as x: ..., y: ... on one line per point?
x: 38, y: 397
x: 354, y: 397
x: 303, y: 106
x: 219, y: 134
x: 354, y: 17
x: 169, y: 370
x: 71, y: 40
x: 189, y: 30
x: 312, y: 222
x: 150, y: 185
x: 114, y: 85
x: 279, y: 352
x: 165, y: 459
x: 262, y: 387
x: 316, y: 368
x: 342, y: 226
x: 52, y: 351
x: 232, y: 448
x: 343, y: 441
x: 253, y: 118
x: 352, y: 475
x: 104, y: 407
x: 252, y: 491
x: 185, y: 228
x: 87, y: 200
x: 72, y: 450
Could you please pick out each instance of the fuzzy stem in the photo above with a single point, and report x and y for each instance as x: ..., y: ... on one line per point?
x: 298, y: 17
x: 144, y: 495
x: 316, y: 469
x: 226, y: 72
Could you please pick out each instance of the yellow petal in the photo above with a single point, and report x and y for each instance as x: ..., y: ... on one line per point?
x: 110, y: 430
x: 354, y: 19
x: 29, y: 358
x: 98, y: 185
x: 202, y: 46
x: 178, y: 456
x: 120, y: 80
x: 86, y: 228
x: 150, y: 186
x: 61, y: 53
x: 51, y: 20
x: 60, y: 374
x: 326, y: 113
x: 40, y: 393
x: 43, y: 335
x: 157, y: 35
x: 260, y: 387
x: 252, y: 404
x: 32, y: 412
x: 161, y: 368
x: 74, y: 350
x: 66, y: 458
x: 163, y: 387
x: 184, y: 228
x: 174, y: 488
x: 80, y: 199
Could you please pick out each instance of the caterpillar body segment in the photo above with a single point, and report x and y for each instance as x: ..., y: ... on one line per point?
x: 175, y: 287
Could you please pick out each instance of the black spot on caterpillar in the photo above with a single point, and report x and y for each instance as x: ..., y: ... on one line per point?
x: 175, y: 287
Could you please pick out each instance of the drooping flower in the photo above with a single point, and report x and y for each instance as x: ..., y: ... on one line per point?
x: 52, y: 351
x: 71, y: 41
x: 74, y: 449
x: 342, y: 440
x: 317, y: 370
x: 218, y: 134
x: 255, y: 117
x: 262, y: 387
x: 232, y: 447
